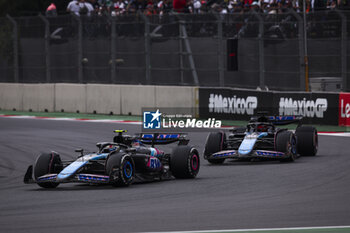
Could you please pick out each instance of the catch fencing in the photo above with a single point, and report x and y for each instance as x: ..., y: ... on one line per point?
x: 234, y: 50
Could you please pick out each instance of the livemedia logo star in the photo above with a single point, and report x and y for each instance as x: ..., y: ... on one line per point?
x: 151, y: 120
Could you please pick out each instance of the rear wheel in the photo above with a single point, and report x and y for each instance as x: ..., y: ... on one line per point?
x: 121, y: 169
x: 307, y: 140
x: 47, y: 163
x: 215, y: 143
x: 286, y: 142
x: 184, y: 162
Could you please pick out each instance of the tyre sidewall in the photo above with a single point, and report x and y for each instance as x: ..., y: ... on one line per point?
x: 184, y: 162
x: 46, y: 163
x: 215, y: 142
x: 307, y: 140
x: 116, y: 169
x: 286, y: 142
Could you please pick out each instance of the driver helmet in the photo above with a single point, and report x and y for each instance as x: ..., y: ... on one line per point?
x: 110, y: 148
x: 262, y: 128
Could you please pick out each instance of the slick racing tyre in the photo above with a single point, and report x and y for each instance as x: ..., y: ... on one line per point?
x: 184, y: 162
x: 215, y: 143
x: 121, y: 169
x: 286, y: 142
x: 307, y: 140
x: 47, y: 163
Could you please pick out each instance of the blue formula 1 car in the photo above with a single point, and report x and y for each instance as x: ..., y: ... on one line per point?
x: 119, y: 163
x: 262, y: 139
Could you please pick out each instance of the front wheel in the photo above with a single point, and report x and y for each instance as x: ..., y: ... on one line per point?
x: 215, y: 143
x: 184, y: 162
x: 286, y: 142
x: 121, y: 169
x: 47, y: 163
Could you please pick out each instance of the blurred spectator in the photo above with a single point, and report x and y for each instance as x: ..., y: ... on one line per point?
x: 264, y: 6
x: 119, y: 8
x: 179, y: 6
x: 272, y: 10
x: 80, y: 7
x: 247, y: 3
x: 151, y: 7
x: 236, y: 7
x: 86, y: 8
x: 73, y: 7
x: 150, y: 10
x: 135, y: 5
x: 164, y: 6
x: 246, y: 7
x: 51, y: 10
x: 331, y: 4
x: 255, y: 7
x: 197, y: 6
x: 296, y: 5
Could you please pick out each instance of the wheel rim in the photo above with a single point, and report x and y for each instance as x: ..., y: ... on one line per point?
x: 127, y: 168
x: 194, y: 162
x: 294, y: 146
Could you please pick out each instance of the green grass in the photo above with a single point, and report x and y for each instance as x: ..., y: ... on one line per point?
x: 139, y: 118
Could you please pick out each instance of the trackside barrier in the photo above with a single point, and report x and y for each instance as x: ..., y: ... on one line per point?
x: 239, y: 104
x: 344, y: 108
x: 38, y: 97
x: 70, y: 97
x: 219, y: 103
x: 11, y: 96
x: 173, y: 98
x: 134, y: 97
x: 89, y: 98
x: 103, y: 99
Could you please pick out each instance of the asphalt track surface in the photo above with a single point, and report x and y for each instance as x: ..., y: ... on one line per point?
x: 313, y: 191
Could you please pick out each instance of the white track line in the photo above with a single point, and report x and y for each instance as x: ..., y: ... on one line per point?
x: 261, y: 229
x: 345, y: 134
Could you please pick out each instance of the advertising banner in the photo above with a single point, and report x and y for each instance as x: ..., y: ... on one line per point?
x: 344, y: 109
x: 238, y: 104
x: 316, y: 108
x: 232, y: 104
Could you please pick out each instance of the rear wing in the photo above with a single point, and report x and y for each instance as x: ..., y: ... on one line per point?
x: 278, y: 120
x: 161, y: 138
x: 285, y: 120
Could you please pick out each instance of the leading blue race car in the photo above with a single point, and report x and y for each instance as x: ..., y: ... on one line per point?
x: 119, y: 163
x: 262, y: 139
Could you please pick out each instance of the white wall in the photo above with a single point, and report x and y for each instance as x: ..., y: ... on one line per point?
x: 87, y: 98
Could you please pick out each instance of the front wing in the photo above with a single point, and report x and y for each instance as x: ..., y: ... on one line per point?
x: 77, y: 178
x: 234, y: 154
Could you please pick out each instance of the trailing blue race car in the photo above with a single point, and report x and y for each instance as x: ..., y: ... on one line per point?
x: 119, y: 163
x: 262, y: 139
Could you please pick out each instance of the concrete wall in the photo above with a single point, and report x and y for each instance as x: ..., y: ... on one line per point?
x: 103, y: 98
x: 87, y: 98
x: 70, y: 97
x: 134, y: 98
x: 11, y: 96
x: 39, y: 97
